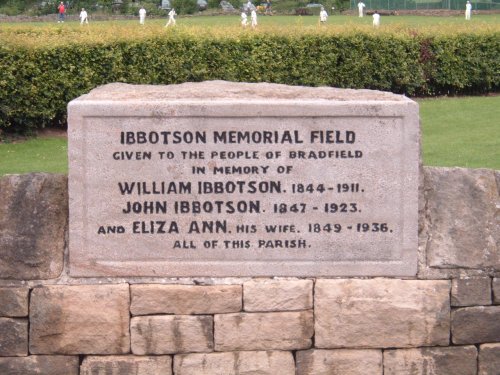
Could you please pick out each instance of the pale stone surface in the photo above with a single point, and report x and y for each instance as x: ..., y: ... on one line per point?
x: 185, y: 299
x: 14, y: 302
x: 489, y: 359
x: 33, y: 221
x: 117, y: 134
x: 85, y: 319
x: 462, y: 228
x: 277, y: 295
x: 126, y: 365
x: 496, y: 290
x: 13, y: 337
x: 475, y: 325
x: 339, y: 361
x: 471, y: 291
x: 459, y: 360
x: 39, y: 365
x: 171, y: 334
x: 241, y: 363
x: 381, y: 313
x: 263, y: 331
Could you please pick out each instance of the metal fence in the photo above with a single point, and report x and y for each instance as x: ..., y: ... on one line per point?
x: 426, y: 4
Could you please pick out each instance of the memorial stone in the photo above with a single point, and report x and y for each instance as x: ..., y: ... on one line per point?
x: 239, y: 179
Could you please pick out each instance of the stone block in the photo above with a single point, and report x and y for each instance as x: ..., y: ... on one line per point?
x: 489, y: 359
x: 461, y: 218
x: 118, y: 135
x: 126, y: 365
x: 33, y: 222
x: 13, y: 337
x: 339, y: 361
x: 496, y: 290
x: 14, y: 302
x: 171, y: 334
x: 264, y: 331
x: 456, y: 360
x: 185, y: 299
x: 471, y: 292
x: 277, y: 295
x: 243, y: 363
x: 39, y: 365
x: 84, y: 319
x: 475, y: 325
x: 381, y: 313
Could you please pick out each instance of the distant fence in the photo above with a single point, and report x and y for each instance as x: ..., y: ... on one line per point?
x: 426, y: 4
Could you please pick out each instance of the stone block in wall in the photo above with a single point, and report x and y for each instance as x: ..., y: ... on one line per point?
x: 456, y: 360
x: 14, y: 302
x: 264, y: 331
x: 126, y: 365
x: 277, y: 295
x: 13, y: 337
x: 489, y: 359
x: 339, y: 361
x: 475, y: 325
x: 168, y: 334
x: 461, y: 224
x: 84, y: 319
x: 33, y: 221
x: 39, y: 365
x: 471, y: 291
x: 496, y: 290
x: 185, y: 299
x: 381, y: 313
x: 251, y: 362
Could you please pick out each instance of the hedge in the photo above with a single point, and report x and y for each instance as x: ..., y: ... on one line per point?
x: 38, y: 80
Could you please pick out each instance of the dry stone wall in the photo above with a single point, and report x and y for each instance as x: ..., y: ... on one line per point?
x: 446, y: 320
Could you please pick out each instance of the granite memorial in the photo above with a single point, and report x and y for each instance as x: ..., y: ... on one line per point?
x: 240, y: 179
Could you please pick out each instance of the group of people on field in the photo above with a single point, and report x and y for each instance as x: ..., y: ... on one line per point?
x: 323, y: 15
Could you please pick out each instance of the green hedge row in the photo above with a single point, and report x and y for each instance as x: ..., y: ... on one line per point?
x: 36, y: 83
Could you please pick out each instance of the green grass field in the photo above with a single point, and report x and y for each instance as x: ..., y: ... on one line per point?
x: 463, y: 132
x: 72, y: 31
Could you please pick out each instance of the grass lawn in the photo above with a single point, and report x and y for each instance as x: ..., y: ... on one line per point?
x: 462, y: 132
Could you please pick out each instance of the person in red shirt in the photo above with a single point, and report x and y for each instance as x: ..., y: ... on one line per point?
x: 61, y: 10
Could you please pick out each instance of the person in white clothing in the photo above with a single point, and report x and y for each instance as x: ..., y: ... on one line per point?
x: 323, y: 16
x: 244, y: 19
x: 84, y: 17
x: 468, y: 10
x: 171, y: 18
x: 142, y: 15
x: 253, y: 17
x: 376, y: 19
x: 361, y: 6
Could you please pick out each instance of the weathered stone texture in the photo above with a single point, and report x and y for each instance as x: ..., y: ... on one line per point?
x: 278, y: 295
x: 14, y: 302
x: 39, y: 365
x: 340, y: 361
x: 185, y: 299
x: 381, y: 313
x: 264, y: 331
x: 471, y: 291
x: 13, y: 337
x: 459, y: 360
x: 489, y: 359
x: 33, y: 220
x: 241, y: 363
x: 462, y: 227
x: 496, y: 290
x: 85, y: 319
x: 126, y: 365
x: 172, y: 334
x: 474, y: 325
